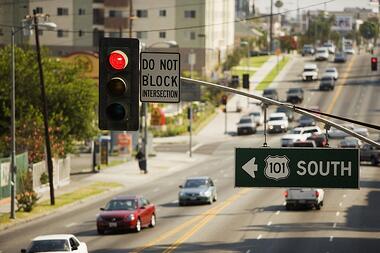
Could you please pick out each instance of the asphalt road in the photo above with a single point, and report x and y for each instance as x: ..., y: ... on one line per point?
x: 245, y: 220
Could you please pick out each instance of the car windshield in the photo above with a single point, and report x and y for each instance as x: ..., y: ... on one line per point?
x: 321, y: 51
x: 294, y: 90
x: 326, y: 79
x: 268, y: 92
x: 306, y: 118
x: 308, y: 70
x: 295, y: 131
x: 330, y: 70
x: 121, y: 204
x: 255, y: 113
x: 195, y: 183
x: 275, y: 118
x: 49, y: 246
x: 245, y: 120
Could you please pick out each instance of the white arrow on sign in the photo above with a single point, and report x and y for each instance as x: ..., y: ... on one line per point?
x: 250, y: 167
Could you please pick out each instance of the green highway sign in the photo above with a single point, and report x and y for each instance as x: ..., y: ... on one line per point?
x: 297, y: 167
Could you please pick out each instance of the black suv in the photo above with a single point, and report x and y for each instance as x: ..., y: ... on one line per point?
x: 294, y: 95
x: 308, y: 49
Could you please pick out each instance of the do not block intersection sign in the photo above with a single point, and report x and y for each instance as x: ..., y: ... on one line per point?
x: 160, y: 77
x: 295, y: 167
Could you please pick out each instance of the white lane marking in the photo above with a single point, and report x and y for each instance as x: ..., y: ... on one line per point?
x: 334, y: 226
x: 340, y: 204
x: 259, y: 237
x: 278, y: 212
x: 331, y: 238
x: 269, y: 223
x: 344, y: 195
x: 337, y: 213
x: 156, y: 190
x: 71, y: 225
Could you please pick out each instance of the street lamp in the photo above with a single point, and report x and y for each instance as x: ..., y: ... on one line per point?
x: 28, y: 26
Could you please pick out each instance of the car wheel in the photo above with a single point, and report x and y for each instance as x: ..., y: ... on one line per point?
x: 138, y: 226
x: 100, y: 231
x: 152, y: 223
x: 318, y: 206
x: 215, y: 198
x: 288, y: 206
x: 181, y: 203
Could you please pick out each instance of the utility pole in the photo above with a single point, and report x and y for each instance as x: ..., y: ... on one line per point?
x: 271, y: 27
x: 130, y: 17
x: 44, y: 110
x: 13, y: 122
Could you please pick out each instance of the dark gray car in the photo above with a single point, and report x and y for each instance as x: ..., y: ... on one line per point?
x: 270, y: 93
x: 197, y: 190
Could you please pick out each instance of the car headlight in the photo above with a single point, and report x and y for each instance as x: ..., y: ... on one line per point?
x: 206, y: 193
x: 270, y: 127
x: 99, y: 218
x: 130, y: 217
x: 282, y: 126
x: 181, y: 194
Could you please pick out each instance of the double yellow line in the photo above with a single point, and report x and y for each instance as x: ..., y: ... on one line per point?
x: 201, y: 220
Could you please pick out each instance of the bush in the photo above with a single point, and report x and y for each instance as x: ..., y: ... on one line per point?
x: 27, y: 197
x: 44, y: 179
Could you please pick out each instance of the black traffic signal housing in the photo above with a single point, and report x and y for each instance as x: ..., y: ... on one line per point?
x: 224, y: 100
x: 119, y: 84
x: 374, y: 63
x: 246, y: 81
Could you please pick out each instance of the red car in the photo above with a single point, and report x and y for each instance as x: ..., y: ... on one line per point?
x: 126, y: 213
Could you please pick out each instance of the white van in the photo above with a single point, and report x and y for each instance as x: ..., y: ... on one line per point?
x: 322, y: 54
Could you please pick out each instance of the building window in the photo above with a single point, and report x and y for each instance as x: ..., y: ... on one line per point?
x: 190, y: 35
x: 62, y: 11
x: 162, y: 35
x: 80, y: 33
x: 142, y: 35
x: 98, y: 16
x: 39, y: 10
x: 114, y: 13
x: 142, y: 13
x: 1, y: 32
x: 162, y: 13
x: 62, y: 33
x: 114, y: 34
x: 98, y: 1
x: 189, y: 14
x: 82, y: 11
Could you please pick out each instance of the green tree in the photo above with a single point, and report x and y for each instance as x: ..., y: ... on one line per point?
x: 71, y: 99
x: 368, y: 30
x: 320, y: 28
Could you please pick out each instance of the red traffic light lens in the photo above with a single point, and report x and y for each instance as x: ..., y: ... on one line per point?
x: 118, y: 60
x: 373, y: 59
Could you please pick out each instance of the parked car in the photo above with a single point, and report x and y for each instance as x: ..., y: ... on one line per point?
x: 330, y: 47
x: 319, y: 139
x: 56, y: 243
x: 327, y: 83
x: 294, y: 95
x: 126, y: 213
x: 349, y: 50
x: 310, y: 72
x: 306, y: 121
x: 310, y: 197
x: 369, y: 153
x: 270, y: 93
x: 289, y: 113
x: 331, y: 71
x: 257, y: 117
x: 278, y: 122
x: 197, y: 190
x: 308, y: 50
x: 350, y: 142
x: 246, y: 125
x: 305, y: 144
x: 322, y: 54
x: 340, y: 57
x: 299, y: 134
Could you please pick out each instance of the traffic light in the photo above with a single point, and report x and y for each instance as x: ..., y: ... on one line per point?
x: 374, y: 63
x: 246, y: 81
x: 224, y: 100
x: 119, y: 84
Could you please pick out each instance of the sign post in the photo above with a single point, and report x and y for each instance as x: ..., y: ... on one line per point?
x: 160, y: 77
x: 296, y: 167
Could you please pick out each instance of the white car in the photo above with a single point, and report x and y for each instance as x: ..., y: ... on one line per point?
x: 349, y: 51
x: 257, y: 117
x: 56, y: 243
x: 278, y: 122
x: 322, y: 54
x: 310, y: 72
x: 330, y: 47
x: 331, y: 71
x: 299, y: 134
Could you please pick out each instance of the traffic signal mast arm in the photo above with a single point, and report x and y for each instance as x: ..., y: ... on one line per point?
x: 268, y: 101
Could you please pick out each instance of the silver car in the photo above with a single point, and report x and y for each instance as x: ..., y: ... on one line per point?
x: 197, y: 190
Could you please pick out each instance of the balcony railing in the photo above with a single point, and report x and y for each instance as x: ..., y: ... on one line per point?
x: 116, y: 3
x: 116, y: 22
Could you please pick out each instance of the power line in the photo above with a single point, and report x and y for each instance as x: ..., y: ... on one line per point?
x: 206, y: 25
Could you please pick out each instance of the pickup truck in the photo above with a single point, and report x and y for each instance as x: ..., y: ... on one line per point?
x: 369, y: 153
x: 309, y: 197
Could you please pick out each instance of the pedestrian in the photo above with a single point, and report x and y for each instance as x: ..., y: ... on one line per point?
x: 140, y: 156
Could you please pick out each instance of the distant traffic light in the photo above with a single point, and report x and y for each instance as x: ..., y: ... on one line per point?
x: 119, y: 84
x: 246, y: 81
x: 224, y: 100
x: 374, y: 63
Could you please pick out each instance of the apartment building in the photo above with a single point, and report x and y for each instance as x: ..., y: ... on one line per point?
x: 11, y: 14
